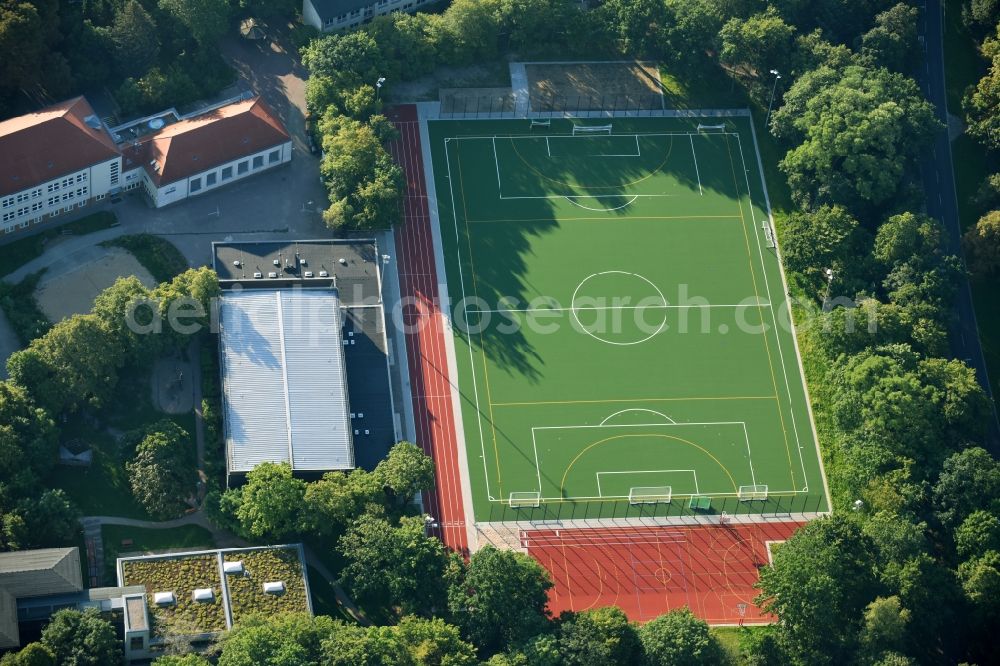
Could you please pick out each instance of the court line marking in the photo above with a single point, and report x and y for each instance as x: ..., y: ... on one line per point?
x: 472, y: 365
x: 620, y: 400
x: 781, y: 354
x: 607, y: 210
x: 696, y: 172
x: 618, y: 307
x: 538, y: 468
x: 636, y: 409
x: 646, y: 471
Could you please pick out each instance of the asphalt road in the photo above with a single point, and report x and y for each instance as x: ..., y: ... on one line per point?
x: 942, y: 203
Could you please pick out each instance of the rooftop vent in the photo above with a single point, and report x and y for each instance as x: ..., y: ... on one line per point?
x: 164, y: 598
x: 308, y: 274
x: 203, y: 594
x: 275, y: 587
x: 324, y: 274
x: 237, y: 263
x: 272, y: 275
x: 258, y: 275
x: 232, y: 567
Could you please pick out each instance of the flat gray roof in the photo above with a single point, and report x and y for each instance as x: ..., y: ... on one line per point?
x: 284, y: 382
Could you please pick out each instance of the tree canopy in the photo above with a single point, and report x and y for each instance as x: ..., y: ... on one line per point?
x: 82, y: 638
x: 162, y: 474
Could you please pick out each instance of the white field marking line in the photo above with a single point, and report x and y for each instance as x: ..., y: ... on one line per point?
x: 602, y: 210
x: 774, y: 317
x: 591, y: 196
x: 548, y: 148
x: 596, y: 498
x: 645, y: 471
x: 496, y: 160
x: 538, y: 467
x: 696, y: 172
x: 636, y: 409
x: 571, y: 136
x: 461, y: 281
x: 620, y: 307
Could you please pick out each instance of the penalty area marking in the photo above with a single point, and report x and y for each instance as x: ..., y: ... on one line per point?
x: 637, y: 409
x: 601, y: 210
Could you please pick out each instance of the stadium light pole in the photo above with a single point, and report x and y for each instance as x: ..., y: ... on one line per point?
x: 378, y: 86
x: 381, y: 281
x: 771, y: 103
x: 828, y: 272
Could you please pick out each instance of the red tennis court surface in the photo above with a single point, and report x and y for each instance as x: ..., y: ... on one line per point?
x: 424, y: 334
x: 648, y: 571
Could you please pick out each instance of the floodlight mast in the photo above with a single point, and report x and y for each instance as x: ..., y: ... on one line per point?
x: 771, y: 103
x: 378, y: 86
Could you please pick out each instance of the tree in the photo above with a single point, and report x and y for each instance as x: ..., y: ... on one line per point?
x: 32, y: 654
x: 827, y: 238
x: 271, y: 501
x: 21, y: 32
x: 982, y: 102
x: 135, y: 39
x: 980, y: 578
x: 499, y: 599
x: 349, y: 60
x: 125, y: 308
x: 822, y: 577
x: 897, y: 539
x: 206, y: 19
x: 678, y: 637
x: 394, y: 567
x: 74, y: 364
x: 969, y: 481
x: 892, y: 41
x: 28, y: 435
x: 472, y: 29
x: 860, y: 130
x: 406, y: 471
x: 289, y: 639
x: 82, y: 638
x: 433, y: 642
x: 336, y: 499
x: 162, y: 475
x: 758, y: 44
x: 885, y: 626
x: 638, y: 24
x: 365, y: 646
x: 978, y: 533
x: 363, y: 182
x: 50, y: 517
x: 932, y: 593
x: 598, y: 637
x: 982, y: 245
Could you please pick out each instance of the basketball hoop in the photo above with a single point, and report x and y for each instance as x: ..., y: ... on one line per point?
x: 723, y: 518
x: 741, y: 608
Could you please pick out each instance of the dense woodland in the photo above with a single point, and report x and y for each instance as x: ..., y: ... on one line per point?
x: 906, y: 571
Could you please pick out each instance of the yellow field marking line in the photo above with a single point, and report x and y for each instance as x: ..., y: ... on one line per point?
x: 482, y: 344
x: 611, y: 400
x: 622, y: 218
x: 760, y: 311
x: 562, y: 484
x: 652, y: 173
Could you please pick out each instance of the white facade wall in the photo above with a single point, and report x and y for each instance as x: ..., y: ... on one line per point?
x: 358, y: 16
x: 216, y: 177
x: 59, y: 195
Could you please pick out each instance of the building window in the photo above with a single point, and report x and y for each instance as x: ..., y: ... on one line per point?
x: 23, y: 225
x: 195, y: 184
x: 242, y: 167
x: 99, y: 197
x: 7, y: 217
x: 8, y: 202
x: 135, y: 643
x: 81, y: 177
x: 275, y: 156
x: 66, y: 195
x: 37, y: 206
x: 210, y: 179
x: 53, y: 201
x: 81, y: 191
x: 22, y: 211
x: 36, y: 193
x: 114, y: 172
x: 53, y: 187
x: 227, y: 173
x: 258, y: 162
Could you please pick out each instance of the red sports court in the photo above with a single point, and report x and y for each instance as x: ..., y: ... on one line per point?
x: 647, y: 571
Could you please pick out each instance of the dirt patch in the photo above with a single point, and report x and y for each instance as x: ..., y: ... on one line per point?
x: 604, y: 86
x: 61, y: 294
x: 171, y: 385
x: 476, y: 100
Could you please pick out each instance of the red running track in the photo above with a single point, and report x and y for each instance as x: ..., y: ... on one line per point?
x: 425, y: 336
x: 650, y: 570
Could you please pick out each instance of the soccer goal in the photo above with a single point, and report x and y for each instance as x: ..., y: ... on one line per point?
x: 752, y: 493
x: 591, y: 129
x: 650, y: 495
x: 524, y: 500
x: 712, y: 128
x: 545, y: 122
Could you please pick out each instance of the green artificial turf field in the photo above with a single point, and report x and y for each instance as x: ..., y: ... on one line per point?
x: 621, y: 325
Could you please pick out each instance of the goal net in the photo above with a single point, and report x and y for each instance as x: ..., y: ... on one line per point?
x: 546, y: 122
x: 751, y: 493
x: 712, y: 128
x: 524, y: 500
x: 650, y: 495
x: 591, y: 129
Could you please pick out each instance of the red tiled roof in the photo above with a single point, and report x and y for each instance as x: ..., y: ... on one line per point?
x: 44, y: 145
x: 191, y: 146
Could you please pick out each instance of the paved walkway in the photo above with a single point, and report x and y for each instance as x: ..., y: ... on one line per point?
x: 222, y: 538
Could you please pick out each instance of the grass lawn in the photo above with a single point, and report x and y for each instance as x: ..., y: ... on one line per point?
x: 15, y: 254
x: 159, y: 256
x: 729, y: 638
x: 145, y: 541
